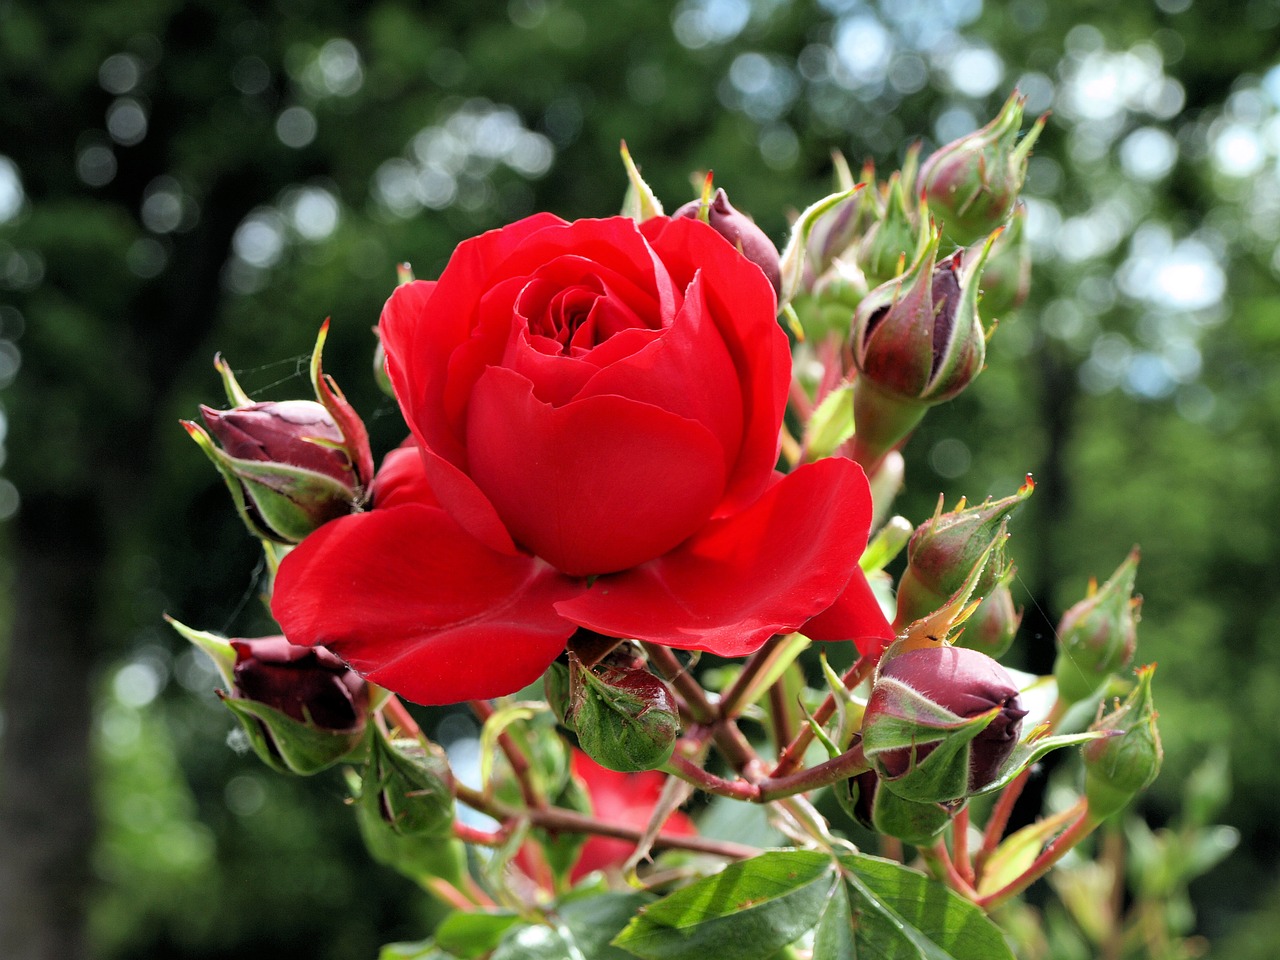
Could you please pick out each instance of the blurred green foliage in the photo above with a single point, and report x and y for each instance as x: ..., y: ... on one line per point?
x: 182, y: 178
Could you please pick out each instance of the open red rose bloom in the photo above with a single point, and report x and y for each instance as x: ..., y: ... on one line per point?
x: 595, y: 409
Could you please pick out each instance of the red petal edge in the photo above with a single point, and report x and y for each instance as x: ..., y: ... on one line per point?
x: 768, y: 569
x: 414, y: 604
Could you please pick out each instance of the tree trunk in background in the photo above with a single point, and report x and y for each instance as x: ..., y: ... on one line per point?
x: 46, y: 798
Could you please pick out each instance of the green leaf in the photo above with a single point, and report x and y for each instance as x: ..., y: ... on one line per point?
x: 1019, y: 850
x: 471, y: 935
x: 900, y: 914
x: 748, y: 911
x: 578, y: 930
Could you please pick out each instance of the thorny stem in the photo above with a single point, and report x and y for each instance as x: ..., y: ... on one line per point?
x: 944, y: 869
x: 766, y: 789
x: 690, y: 691
x: 734, y: 699
x: 515, y: 756
x: 791, y: 757
x: 778, y: 711
x: 400, y: 715
x: 1080, y: 828
x: 556, y: 818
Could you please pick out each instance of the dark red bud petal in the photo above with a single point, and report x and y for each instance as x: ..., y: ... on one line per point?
x: 308, y: 684
x: 741, y: 231
x: 283, y: 432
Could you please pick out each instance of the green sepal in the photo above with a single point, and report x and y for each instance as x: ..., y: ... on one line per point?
x: 831, y: 423
x: 289, y: 745
x: 624, y: 729
x: 909, y: 820
x: 793, y: 254
x: 271, y: 498
x: 943, y: 772
x: 1031, y: 749
x: 411, y: 834
x: 218, y: 648
x: 410, y: 783
x: 235, y: 393
x: 640, y: 203
x: 355, y: 438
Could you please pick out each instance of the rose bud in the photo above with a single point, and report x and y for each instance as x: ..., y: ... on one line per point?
x: 302, y: 707
x: 1119, y: 766
x: 940, y: 723
x: 293, y: 465
x: 917, y: 341
x: 740, y: 230
x: 972, y: 183
x: 884, y: 812
x: 626, y: 720
x: 405, y: 809
x: 1097, y: 636
x: 411, y: 785
x: 991, y: 628
x: 944, y: 549
x: 1006, y: 279
x: 891, y: 240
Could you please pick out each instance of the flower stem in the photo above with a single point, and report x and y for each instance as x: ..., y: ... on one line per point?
x: 939, y: 861
x: 792, y: 756
x: 767, y: 789
x: 556, y: 818
x: 695, y: 698
x: 960, y: 844
x: 741, y: 692
x: 998, y: 821
x: 1080, y: 828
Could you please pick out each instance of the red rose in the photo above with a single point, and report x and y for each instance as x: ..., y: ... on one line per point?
x: 597, y: 409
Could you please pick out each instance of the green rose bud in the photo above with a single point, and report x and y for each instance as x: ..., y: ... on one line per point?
x: 626, y: 719
x: 1097, y: 636
x: 991, y: 628
x: 944, y: 549
x: 1117, y: 767
x: 972, y: 183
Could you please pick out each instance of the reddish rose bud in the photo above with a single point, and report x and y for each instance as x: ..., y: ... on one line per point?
x: 296, y: 433
x: 1097, y: 636
x: 972, y: 183
x: 1118, y: 766
x: 309, y: 684
x: 302, y: 707
x: 940, y: 723
x: 917, y: 341
x: 890, y: 243
x: 740, y: 230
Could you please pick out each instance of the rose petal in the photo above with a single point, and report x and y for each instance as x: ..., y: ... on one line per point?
x: 687, y: 371
x: 414, y: 604
x: 766, y: 570
x: 742, y: 303
x: 856, y: 616
x: 595, y: 486
x: 402, y: 479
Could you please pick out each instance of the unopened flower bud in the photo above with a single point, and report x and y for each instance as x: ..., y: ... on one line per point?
x: 409, y: 783
x: 405, y: 809
x: 626, y: 719
x: 991, y: 628
x: 740, y: 230
x: 891, y: 815
x: 302, y: 707
x: 283, y: 464
x: 1097, y: 636
x: 917, y: 341
x: 940, y: 723
x: 1119, y: 766
x: 972, y: 183
x: 890, y: 243
x: 944, y: 549
x: 1006, y: 279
